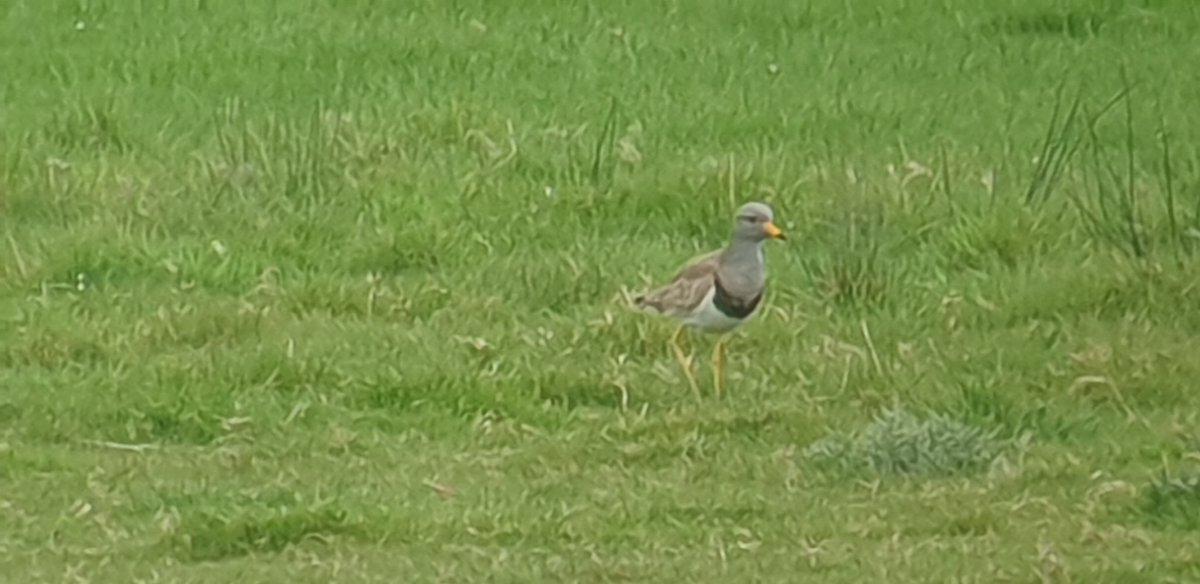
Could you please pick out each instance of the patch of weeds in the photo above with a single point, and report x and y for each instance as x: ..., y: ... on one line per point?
x: 9, y: 412
x: 212, y: 535
x: 972, y: 523
x: 1190, y: 442
x: 170, y: 423
x: 88, y: 127
x: 564, y: 391
x: 994, y: 407
x: 713, y: 515
x: 273, y: 369
x: 959, y: 521
x: 1081, y: 24
x: 855, y: 271
x: 22, y: 462
x: 430, y: 392
x: 396, y: 393
x: 193, y: 414
x: 745, y: 424
x: 981, y: 242
x: 53, y: 349
x: 405, y: 254
x: 217, y: 324
x: 1173, y: 502
x: 898, y: 442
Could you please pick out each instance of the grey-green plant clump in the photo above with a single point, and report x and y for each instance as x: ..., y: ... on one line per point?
x: 899, y: 442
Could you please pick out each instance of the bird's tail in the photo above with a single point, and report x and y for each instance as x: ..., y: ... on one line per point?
x: 641, y: 301
x: 646, y: 303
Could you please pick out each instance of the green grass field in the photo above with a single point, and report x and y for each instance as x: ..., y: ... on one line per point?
x: 312, y: 291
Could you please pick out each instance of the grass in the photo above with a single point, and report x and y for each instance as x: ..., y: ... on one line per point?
x: 311, y: 291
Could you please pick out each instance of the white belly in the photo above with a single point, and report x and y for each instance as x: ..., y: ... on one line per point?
x: 707, y: 318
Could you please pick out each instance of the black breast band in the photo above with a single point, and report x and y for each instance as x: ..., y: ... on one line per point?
x: 731, y: 306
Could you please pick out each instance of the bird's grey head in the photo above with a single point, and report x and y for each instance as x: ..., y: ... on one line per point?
x: 755, y: 222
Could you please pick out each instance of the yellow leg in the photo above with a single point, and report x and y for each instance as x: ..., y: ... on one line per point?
x: 685, y: 361
x: 718, y: 365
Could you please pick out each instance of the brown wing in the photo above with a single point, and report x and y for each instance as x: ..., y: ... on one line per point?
x: 686, y: 290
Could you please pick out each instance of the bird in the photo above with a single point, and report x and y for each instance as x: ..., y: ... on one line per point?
x: 718, y: 292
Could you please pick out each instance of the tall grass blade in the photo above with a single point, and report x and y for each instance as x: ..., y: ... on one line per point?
x: 1169, y: 180
x: 1137, y: 243
x: 604, y: 145
x: 1058, y: 148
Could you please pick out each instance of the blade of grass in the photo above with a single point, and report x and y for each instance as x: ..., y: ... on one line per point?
x: 1168, y: 178
x: 1057, y: 150
x: 1136, y: 241
x: 608, y: 135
